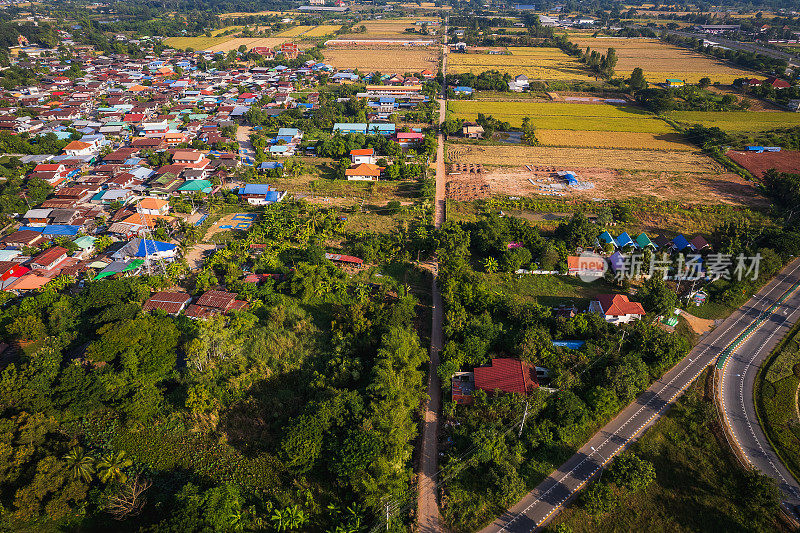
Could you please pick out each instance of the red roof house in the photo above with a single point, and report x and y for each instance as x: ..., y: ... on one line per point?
x: 616, y: 308
x: 506, y: 375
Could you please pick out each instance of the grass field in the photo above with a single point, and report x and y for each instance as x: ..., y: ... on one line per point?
x: 776, y: 401
x: 398, y: 59
x: 699, y: 485
x: 622, y: 159
x: 543, y: 64
x: 737, y: 121
x: 662, y: 61
x: 564, y: 116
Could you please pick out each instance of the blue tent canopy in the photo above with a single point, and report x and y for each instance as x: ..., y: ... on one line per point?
x: 680, y: 242
x: 148, y: 246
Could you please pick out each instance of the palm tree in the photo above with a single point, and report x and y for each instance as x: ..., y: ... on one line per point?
x: 491, y: 265
x: 80, y: 464
x: 111, y: 467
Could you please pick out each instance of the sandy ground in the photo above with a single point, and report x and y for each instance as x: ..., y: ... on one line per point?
x: 197, y: 254
x: 698, y: 325
x: 689, y: 188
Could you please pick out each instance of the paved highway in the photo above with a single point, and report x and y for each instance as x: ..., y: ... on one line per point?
x: 736, y: 392
x: 541, y: 504
x: 743, y: 46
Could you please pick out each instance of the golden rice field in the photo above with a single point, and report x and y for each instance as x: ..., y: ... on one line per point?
x: 613, y: 139
x: 195, y: 43
x: 249, y: 42
x: 661, y: 61
x: 322, y: 30
x: 537, y: 63
x: 294, y: 31
x: 620, y: 159
x: 386, y: 29
x: 563, y: 116
x: 737, y: 121
x: 382, y: 59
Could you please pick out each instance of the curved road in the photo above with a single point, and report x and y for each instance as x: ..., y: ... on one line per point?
x: 736, y: 393
x: 541, y: 504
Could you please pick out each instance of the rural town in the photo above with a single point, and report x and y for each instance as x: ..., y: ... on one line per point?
x: 336, y: 266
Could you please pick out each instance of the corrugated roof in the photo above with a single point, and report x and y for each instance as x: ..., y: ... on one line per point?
x: 506, y: 375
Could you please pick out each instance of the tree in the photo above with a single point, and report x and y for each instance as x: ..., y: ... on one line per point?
x: 705, y: 82
x: 491, y: 265
x: 111, y: 467
x: 657, y: 298
x: 632, y: 472
x: 637, y: 81
x: 529, y: 132
x: 130, y: 499
x: 81, y: 465
x: 598, y: 499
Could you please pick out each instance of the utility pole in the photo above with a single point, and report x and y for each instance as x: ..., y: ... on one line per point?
x: 524, y: 416
x: 387, y: 516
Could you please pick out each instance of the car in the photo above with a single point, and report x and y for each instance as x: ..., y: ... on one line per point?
x: 257, y: 128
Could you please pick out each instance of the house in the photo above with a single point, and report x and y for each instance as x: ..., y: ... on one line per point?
x: 350, y: 127
x: 506, y: 375
x: 625, y: 240
x: 680, y: 243
x: 643, y: 241
x: 49, y: 259
x: 616, y: 308
x: 364, y: 155
x: 363, y: 172
x: 698, y: 243
x: 9, y: 272
x: 152, y: 206
x: 776, y: 83
x: 148, y: 249
x: 674, y: 83
x: 81, y: 148
x: 260, y: 194
x: 471, y: 130
x: 22, y: 238
x: 171, y: 303
x: 213, y: 303
x: 406, y: 139
x: 586, y: 265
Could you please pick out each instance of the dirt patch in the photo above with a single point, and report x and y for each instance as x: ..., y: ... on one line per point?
x: 370, y: 58
x: 757, y: 164
x: 687, y: 188
x: 698, y: 325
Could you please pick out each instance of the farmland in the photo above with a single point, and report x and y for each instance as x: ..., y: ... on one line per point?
x: 564, y: 116
x: 545, y: 64
x: 515, y: 155
x: 321, y: 30
x: 385, y: 29
x: 737, y: 121
x: 294, y: 31
x: 370, y: 58
x: 249, y: 42
x: 613, y: 139
x: 662, y: 61
x: 757, y: 164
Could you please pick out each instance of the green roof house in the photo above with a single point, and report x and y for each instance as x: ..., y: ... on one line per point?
x: 193, y: 186
x: 643, y: 241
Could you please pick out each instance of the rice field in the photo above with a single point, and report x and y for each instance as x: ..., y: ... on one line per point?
x: 618, y: 159
x: 249, y: 42
x: 564, y: 116
x: 613, y: 139
x: 386, y: 29
x: 537, y: 63
x: 321, y: 31
x: 737, y: 121
x: 661, y: 61
x: 195, y: 43
x: 294, y: 31
x: 370, y: 59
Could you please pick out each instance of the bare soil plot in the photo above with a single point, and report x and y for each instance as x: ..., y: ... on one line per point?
x: 661, y: 61
x: 757, y: 164
x: 384, y: 59
x: 684, y: 187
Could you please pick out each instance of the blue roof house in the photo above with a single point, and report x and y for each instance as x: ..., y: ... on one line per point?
x: 680, y: 243
x: 606, y: 238
x: 625, y: 240
x: 350, y: 127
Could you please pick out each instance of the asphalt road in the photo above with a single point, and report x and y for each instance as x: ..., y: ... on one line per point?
x: 541, y: 504
x: 736, y: 392
x: 743, y: 46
